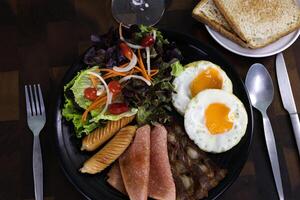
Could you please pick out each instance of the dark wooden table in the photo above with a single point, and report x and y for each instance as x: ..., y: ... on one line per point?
x: 40, y: 39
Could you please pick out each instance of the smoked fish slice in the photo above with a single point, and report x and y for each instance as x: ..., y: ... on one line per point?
x: 161, y: 183
x: 115, y: 178
x: 135, y: 165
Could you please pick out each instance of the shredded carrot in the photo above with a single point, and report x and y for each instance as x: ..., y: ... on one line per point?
x: 94, y: 81
x: 113, y: 72
x: 100, y: 101
x: 124, y: 65
x: 142, y: 66
x: 154, y: 72
x: 131, y: 72
x: 109, y: 75
x: 137, y: 69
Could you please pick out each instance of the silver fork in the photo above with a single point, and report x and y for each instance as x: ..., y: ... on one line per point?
x: 36, y: 119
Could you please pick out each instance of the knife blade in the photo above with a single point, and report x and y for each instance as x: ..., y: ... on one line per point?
x: 287, y: 96
x: 285, y: 85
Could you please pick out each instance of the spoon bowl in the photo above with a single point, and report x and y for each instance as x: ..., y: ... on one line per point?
x: 260, y: 86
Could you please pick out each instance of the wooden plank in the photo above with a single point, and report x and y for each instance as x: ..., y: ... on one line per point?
x: 9, y: 96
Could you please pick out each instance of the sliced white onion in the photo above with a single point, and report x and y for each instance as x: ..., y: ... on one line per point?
x: 106, y: 88
x: 130, y: 66
x: 148, y: 60
x: 100, y: 90
x: 134, y: 76
x: 154, y: 34
x: 109, y: 98
x: 133, y: 46
x: 121, y: 32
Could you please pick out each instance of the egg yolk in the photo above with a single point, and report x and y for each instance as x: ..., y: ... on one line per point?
x: 217, y: 119
x: 207, y: 79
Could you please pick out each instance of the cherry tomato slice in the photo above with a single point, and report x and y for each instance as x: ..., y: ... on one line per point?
x: 117, y: 108
x: 90, y: 93
x: 126, y: 51
x: 114, y: 86
x: 147, y: 41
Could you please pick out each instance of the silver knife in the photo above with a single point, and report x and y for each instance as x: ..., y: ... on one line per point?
x: 287, y: 96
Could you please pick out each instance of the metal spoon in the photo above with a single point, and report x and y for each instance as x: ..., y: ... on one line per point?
x: 260, y: 87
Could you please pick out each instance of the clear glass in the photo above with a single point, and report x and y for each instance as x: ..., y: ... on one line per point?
x: 147, y: 12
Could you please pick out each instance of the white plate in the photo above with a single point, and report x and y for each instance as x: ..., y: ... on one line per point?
x: 269, y: 50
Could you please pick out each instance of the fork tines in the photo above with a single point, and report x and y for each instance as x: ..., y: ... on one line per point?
x: 34, y: 100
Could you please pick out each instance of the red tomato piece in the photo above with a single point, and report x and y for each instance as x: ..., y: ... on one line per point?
x: 90, y: 93
x: 126, y: 51
x: 117, y: 108
x: 147, y: 41
x: 114, y: 86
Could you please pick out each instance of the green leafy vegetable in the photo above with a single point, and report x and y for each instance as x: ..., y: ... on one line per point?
x: 75, y: 103
x: 74, y: 115
x: 177, y: 69
x: 146, y: 30
x: 98, y: 116
x: 82, y: 82
x: 153, y: 102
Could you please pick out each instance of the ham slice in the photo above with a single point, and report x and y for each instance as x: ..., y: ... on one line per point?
x: 135, y: 165
x: 161, y: 183
x: 115, y: 178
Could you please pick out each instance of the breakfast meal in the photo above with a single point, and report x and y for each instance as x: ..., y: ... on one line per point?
x: 250, y: 23
x: 153, y: 125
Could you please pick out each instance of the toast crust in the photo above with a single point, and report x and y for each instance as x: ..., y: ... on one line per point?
x: 230, y: 19
x: 216, y: 26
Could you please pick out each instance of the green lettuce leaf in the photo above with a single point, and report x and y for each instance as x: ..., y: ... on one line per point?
x: 82, y: 82
x: 106, y: 116
x: 177, y: 69
x: 72, y: 114
x: 71, y: 83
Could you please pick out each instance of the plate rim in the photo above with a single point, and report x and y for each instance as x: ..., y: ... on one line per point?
x: 58, y: 117
x: 219, y: 41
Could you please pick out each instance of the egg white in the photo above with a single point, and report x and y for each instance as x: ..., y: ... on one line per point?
x: 182, y: 94
x: 194, y: 121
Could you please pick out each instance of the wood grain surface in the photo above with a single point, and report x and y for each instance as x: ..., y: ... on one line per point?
x: 40, y: 39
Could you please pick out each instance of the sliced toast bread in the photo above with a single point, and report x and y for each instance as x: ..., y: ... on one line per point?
x: 207, y: 13
x: 260, y: 22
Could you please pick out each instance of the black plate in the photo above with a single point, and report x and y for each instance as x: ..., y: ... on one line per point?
x: 95, y: 186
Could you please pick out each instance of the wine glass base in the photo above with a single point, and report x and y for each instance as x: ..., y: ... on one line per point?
x: 147, y: 12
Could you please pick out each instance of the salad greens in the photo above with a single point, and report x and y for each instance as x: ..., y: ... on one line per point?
x: 75, y: 104
x: 71, y: 113
x: 145, y: 30
x: 177, y: 68
x: 150, y: 103
x: 81, y: 82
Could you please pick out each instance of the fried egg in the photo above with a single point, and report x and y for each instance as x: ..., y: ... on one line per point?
x: 196, y: 77
x: 215, y: 120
